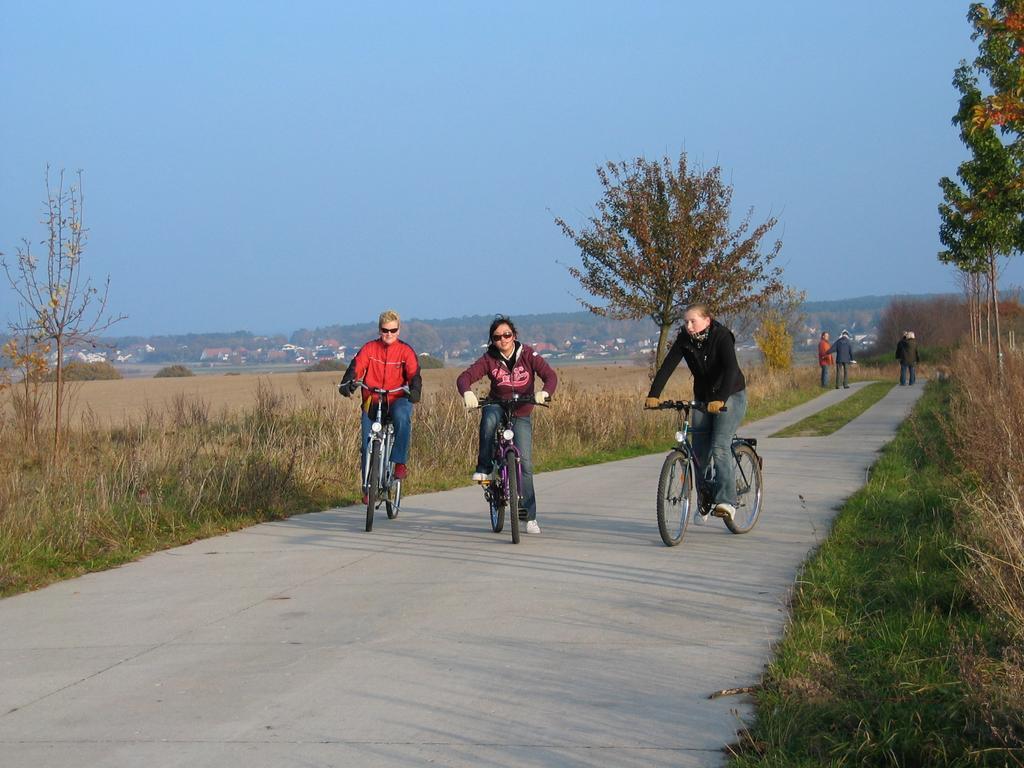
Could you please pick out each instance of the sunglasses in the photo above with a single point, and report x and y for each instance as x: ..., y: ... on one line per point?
x: 389, y: 330
x: 506, y: 335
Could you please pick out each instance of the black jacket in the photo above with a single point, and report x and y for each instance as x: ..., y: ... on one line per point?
x: 906, y: 351
x: 716, y: 374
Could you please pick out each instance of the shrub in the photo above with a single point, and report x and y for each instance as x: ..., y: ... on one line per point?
x: 172, y: 371
x: 775, y: 342
x: 326, y: 365
x: 429, y: 361
x: 77, y: 371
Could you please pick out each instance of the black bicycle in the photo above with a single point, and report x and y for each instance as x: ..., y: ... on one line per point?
x: 684, y: 487
x: 379, y: 481
x: 502, y: 491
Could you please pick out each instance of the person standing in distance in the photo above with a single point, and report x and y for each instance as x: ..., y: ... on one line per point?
x: 386, y: 363
x: 844, y: 356
x: 825, y: 360
x: 709, y: 349
x: 906, y: 353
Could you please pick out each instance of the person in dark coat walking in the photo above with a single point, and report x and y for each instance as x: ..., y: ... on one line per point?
x: 843, y: 351
x: 906, y: 353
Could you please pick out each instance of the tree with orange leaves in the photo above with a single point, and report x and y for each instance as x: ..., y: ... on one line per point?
x: 661, y: 239
x: 982, y: 213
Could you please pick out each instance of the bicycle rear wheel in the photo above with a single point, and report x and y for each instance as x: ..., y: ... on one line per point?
x: 749, y: 489
x: 372, y: 484
x: 676, y: 497
x: 394, y: 499
x: 512, y: 466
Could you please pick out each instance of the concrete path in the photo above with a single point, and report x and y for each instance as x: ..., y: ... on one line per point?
x: 309, y: 642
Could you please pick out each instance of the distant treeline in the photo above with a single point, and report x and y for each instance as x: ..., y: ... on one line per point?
x: 466, y: 334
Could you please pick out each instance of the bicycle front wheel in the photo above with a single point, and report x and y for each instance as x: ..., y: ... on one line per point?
x: 495, y: 496
x: 372, y: 484
x: 676, y: 497
x: 749, y: 489
x: 511, y: 466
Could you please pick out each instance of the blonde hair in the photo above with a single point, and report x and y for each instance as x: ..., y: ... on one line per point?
x: 699, y: 307
x: 388, y: 316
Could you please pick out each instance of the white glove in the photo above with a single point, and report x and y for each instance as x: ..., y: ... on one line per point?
x: 470, y: 399
x: 540, y: 397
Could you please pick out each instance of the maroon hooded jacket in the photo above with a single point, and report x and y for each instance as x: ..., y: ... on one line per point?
x: 510, y: 376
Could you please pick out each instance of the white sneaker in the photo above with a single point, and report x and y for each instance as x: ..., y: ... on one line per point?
x: 700, y: 518
x: 724, y: 510
x: 480, y: 477
x: 532, y: 527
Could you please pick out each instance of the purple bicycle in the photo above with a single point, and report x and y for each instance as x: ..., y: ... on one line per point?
x: 502, y: 490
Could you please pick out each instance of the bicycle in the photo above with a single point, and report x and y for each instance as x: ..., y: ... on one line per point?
x: 678, y: 493
x: 379, y: 481
x: 502, y: 491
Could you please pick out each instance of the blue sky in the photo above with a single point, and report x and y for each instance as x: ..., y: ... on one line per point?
x: 276, y: 165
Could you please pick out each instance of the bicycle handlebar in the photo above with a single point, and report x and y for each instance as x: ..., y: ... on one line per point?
x: 376, y: 391
x: 514, y: 400
x: 683, y: 405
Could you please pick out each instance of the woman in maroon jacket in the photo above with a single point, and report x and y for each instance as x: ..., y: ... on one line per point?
x: 512, y: 367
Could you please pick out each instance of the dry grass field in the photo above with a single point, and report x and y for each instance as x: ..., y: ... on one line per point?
x: 112, y: 403
x: 149, y: 463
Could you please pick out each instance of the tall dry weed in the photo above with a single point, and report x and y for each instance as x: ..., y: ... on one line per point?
x: 987, y: 424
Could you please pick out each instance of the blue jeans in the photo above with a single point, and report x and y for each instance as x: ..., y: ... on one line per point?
x: 904, y: 367
x: 824, y: 375
x: 401, y: 417
x: 712, y: 437
x: 522, y: 428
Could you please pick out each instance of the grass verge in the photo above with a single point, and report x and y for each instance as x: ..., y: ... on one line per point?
x: 835, y: 416
x: 869, y: 672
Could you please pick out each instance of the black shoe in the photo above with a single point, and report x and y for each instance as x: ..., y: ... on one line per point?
x: 846, y: 386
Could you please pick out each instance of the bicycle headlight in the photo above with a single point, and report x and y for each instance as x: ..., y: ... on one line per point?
x: 376, y: 427
x: 679, y: 437
x: 508, y: 434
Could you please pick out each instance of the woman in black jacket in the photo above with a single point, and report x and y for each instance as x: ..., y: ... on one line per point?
x: 709, y: 349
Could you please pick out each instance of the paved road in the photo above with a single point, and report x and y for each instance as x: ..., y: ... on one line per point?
x: 309, y: 642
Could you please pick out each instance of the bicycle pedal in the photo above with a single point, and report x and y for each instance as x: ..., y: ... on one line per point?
x: 484, y: 483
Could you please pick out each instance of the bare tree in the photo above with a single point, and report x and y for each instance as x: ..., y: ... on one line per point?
x: 62, y: 305
x: 661, y: 239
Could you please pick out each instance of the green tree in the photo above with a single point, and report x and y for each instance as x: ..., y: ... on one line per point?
x: 661, y: 239
x: 981, y: 213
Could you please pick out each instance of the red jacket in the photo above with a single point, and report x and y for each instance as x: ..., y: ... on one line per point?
x: 824, y: 358
x: 385, y: 366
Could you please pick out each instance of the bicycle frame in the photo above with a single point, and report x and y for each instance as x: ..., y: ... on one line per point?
x: 684, y: 445
x: 381, y: 430
x: 379, y: 482
x: 505, y: 442
x: 498, y: 492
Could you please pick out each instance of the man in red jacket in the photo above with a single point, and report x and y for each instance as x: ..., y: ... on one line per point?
x: 387, y: 363
x: 825, y: 360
